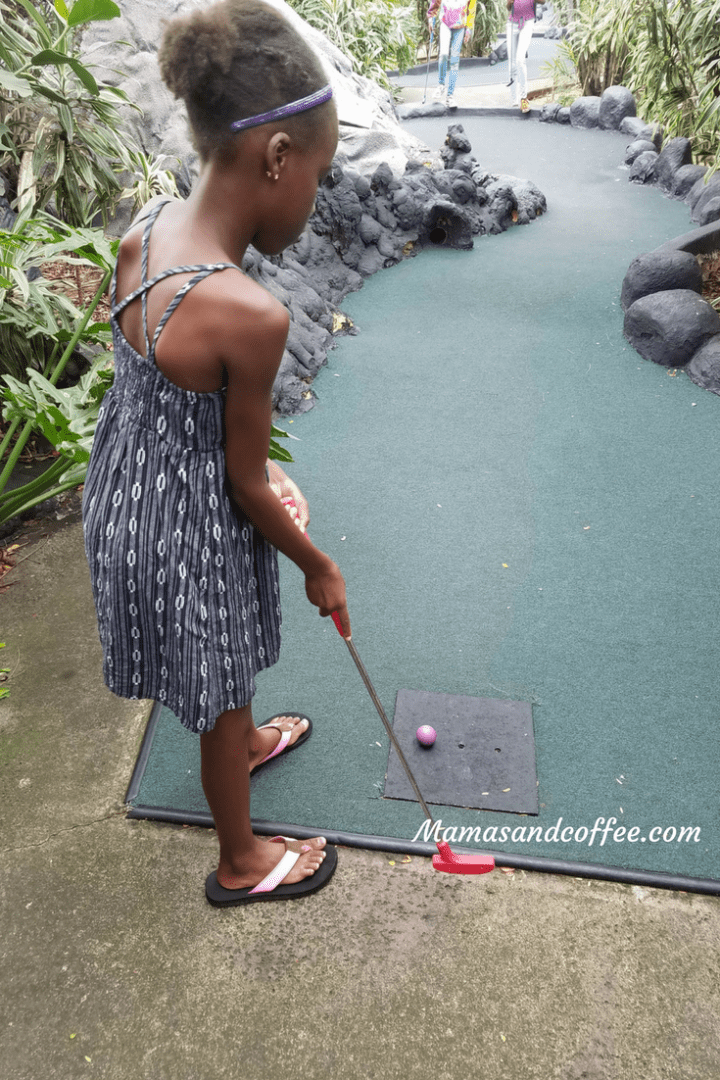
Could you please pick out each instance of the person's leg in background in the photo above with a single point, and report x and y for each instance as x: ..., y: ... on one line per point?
x: 456, y: 43
x: 440, y: 91
x: 512, y: 28
x: 523, y: 44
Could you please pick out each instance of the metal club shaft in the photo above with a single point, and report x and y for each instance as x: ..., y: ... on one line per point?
x: 386, y: 722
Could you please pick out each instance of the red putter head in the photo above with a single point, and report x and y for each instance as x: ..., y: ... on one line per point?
x: 451, y: 863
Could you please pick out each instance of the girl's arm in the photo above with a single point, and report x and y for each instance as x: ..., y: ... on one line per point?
x: 252, y: 355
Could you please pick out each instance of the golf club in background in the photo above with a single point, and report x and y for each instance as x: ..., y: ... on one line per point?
x: 427, y: 71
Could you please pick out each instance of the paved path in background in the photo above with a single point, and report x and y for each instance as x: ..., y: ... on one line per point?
x: 480, y: 83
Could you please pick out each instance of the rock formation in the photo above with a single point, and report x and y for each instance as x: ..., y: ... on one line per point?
x: 387, y: 197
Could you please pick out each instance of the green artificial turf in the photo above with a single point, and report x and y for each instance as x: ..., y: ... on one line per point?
x: 522, y: 508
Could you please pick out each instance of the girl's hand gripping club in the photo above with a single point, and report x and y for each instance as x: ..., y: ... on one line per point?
x: 447, y: 860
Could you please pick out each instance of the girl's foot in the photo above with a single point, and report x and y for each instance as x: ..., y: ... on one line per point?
x: 525, y: 105
x: 438, y: 93
x: 264, y: 740
x: 265, y: 858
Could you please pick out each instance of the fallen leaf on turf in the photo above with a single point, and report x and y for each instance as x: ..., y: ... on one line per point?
x: 503, y: 1037
x: 391, y: 861
x: 505, y: 565
x: 407, y: 859
x: 506, y: 789
x: 507, y: 869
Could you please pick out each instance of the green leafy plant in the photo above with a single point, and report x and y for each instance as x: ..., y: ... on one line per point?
x: 66, y: 417
x: 61, y: 134
x: 601, y: 37
x: 562, y: 69
x: 490, y: 18
x: 36, y: 318
x: 276, y: 451
x: 668, y: 54
x: 150, y: 178
x: 378, y: 35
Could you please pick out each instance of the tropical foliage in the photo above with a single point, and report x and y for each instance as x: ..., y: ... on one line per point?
x: 61, y: 134
x: 66, y: 417
x: 666, y: 51
x: 378, y: 35
x: 64, y: 148
x: 37, y: 318
x: 490, y: 19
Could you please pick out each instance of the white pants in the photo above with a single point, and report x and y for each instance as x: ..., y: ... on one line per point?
x: 517, y: 57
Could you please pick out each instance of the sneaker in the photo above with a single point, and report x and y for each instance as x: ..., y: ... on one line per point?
x: 438, y: 93
x: 525, y: 105
x: 451, y: 102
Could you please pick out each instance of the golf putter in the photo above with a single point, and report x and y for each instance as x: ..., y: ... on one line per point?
x: 510, y: 55
x: 427, y: 72
x: 446, y: 860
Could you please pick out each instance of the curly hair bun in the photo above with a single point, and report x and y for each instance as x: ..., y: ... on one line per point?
x: 236, y: 59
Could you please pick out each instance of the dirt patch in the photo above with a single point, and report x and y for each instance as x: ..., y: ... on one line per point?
x: 710, y: 266
x: 79, y: 283
x: 44, y: 521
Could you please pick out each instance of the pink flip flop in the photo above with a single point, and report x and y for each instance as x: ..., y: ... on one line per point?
x: 271, y: 887
x: 284, y: 737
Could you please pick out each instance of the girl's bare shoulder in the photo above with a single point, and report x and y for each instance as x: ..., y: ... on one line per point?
x: 150, y: 205
x: 250, y: 319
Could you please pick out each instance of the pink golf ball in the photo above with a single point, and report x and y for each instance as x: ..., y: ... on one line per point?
x: 426, y: 735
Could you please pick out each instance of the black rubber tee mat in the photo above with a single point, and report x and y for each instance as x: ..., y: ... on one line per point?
x: 483, y: 757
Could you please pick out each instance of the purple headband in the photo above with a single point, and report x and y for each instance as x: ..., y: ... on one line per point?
x: 309, y: 102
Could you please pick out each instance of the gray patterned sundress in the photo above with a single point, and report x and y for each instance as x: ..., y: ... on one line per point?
x: 185, y: 588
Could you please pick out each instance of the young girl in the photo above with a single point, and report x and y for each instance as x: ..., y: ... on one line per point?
x: 457, y: 20
x: 521, y: 21
x: 182, y: 509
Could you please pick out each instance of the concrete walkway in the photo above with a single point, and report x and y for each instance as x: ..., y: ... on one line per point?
x: 112, y: 964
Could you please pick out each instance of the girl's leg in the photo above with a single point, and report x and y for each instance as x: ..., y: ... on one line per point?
x: 523, y: 45
x: 244, y: 859
x: 444, y: 53
x: 456, y: 42
x: 512, y: 59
